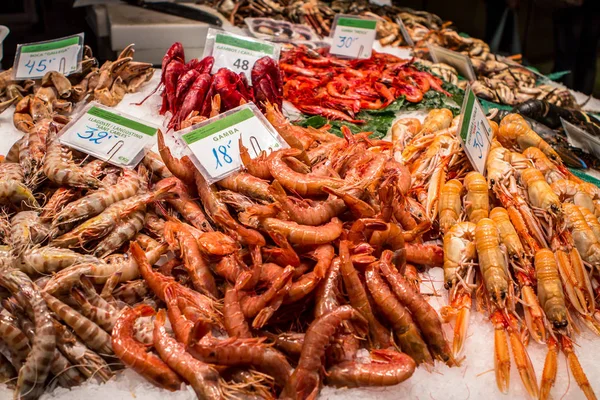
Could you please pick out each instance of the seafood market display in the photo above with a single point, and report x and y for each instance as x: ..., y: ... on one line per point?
x: 319, y: 83
x: 519, y: 241
x: 301, y: 269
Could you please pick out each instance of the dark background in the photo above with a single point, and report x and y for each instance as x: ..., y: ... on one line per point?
x: 35, y: 20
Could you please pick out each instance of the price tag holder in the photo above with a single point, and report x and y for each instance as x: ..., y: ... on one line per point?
x: 214, y: 144
x: 111, y: 136
x: 353, y: 36
x: 404, y: 31
x: 237, y: 53
x: 474, y: 131
x: 34, y: 60
x: 461, y: 62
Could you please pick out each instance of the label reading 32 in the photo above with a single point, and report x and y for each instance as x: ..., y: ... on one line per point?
x: 109, y: 136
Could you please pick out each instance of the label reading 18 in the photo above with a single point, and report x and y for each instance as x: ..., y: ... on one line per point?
x: 108, y: 136
x: 239, y: 53
x: 475, y: 132
x: 215, y: 144
x: 353, y: 37
x: 33, y: 61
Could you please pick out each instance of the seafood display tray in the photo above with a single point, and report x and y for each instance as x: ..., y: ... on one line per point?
x: 474, y: 379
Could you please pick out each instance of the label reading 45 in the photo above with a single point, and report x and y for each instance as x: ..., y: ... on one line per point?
x: 353, y: 36
x: 34, y: 60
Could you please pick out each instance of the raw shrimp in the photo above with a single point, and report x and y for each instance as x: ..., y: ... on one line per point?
x: 185, y: 205
x: 358, y: 297
x: 304, y: 234
x: 203, y: 378
x: 328, y: 290
x: 306, y: 380
x: 233, y: 317
x: 136, y: 356
x: 477, y: 200
x: 409, y: 337
x: 492, y: 261
x: 583, y: 237
x: 247, y: 184
x: 303, y: 184
x: 47, y: 260
x: 387, y: 368
x: 26, y: 230
x: 515, y: 133
x: 459, y: 252
x: 450, y: 204
x: 549, y: 289
x: 539, y: 192
x: 99, y: 200
x: 14, y: 339
x: 60, y: 168
x: 154, y: 163
x: 575, y: 192
x: 123, y: 232
x: 100, y: 272
x: 307, y: 213
x: 89, y: 363
x: 101, y: 225
x: 423, y: 314
x: 90, y: 333
x: 32, y: 375
x: 240, y: 352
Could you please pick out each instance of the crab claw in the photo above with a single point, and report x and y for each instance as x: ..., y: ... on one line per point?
x: 534, y: 315
x: 550, y: 368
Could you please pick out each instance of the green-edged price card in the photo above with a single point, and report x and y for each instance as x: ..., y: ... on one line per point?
x: 353, y: 36
x: 34, y: 60
x: 474, y: 131
x: 214, y: 143
x: 109, y: 135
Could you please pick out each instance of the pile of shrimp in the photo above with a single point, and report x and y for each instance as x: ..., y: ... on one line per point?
x: 296, y: 272
x: 524, y: 238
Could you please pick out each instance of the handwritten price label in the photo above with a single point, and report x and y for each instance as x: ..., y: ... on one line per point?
x: 353, y: 37
x: 110, y: 136
x: 34, y: 60
x: 215, y: 143
x: 237, y: 53
x: 475, y: 132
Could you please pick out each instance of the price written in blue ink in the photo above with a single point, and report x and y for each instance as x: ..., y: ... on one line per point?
x: 478, y: 141
x: 43, y: 64
x: 95, y: 135
x: 220, y: 153
x: 346, y: 41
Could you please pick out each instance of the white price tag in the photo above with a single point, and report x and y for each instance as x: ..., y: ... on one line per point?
x: 461, y: 62
x: 353, y: 36
x: 34, y: 60
x: 404, y: 31
x: 109, y: 135
x: 474, y: 131
x: 214, y: 143
x: 237, y: 53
